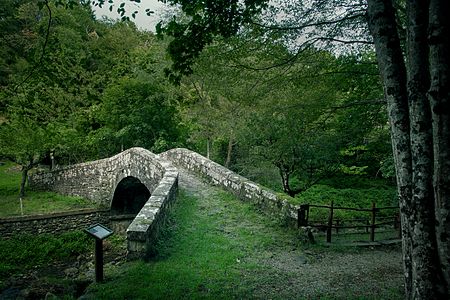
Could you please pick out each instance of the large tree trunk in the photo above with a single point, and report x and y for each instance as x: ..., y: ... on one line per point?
x: 412, y: 140
x: 383, y: 28
x: 426, y: 269
x: 439, y: 96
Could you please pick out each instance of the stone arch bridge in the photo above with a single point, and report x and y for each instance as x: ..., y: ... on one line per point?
x: 143, y: 184
x: 135, y: 182
x: 98, y: 180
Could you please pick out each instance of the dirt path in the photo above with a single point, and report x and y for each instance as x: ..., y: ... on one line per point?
x: 310, y: 272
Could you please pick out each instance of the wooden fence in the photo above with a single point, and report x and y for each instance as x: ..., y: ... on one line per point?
x: 333, y: 223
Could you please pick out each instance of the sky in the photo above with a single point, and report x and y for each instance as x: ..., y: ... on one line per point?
x: 142, y: 20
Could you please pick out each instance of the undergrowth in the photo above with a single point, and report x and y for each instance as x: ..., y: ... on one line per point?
x: 23, y: 251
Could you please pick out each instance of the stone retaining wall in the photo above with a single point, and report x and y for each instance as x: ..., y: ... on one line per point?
x: 53, y: 223
x: 97, y: 180
x: 145, y: 229
x: 240, y: 186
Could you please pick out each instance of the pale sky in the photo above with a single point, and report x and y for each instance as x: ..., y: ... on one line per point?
x: 142, y: 20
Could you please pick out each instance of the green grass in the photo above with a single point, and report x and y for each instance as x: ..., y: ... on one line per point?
x: 34, y: 202
x: 197, y: 257
x: 216, y: 247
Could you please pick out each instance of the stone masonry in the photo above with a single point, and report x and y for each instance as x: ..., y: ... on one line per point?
x: 54, y: 223
x: 247, y: 190
x: 98, y: 180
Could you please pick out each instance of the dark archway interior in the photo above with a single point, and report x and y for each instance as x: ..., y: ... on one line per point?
x: 129, y: 197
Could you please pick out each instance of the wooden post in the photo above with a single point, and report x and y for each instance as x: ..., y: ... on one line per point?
x: 98, y: 260
x: 302, y: 215
x: 330, y: 223
x: 337, y: 225
x: 372, y: 225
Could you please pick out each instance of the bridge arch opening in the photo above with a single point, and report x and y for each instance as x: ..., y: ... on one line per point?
x: 129, y: 197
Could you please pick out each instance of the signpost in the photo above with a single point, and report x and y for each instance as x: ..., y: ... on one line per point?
x: 99, y: 232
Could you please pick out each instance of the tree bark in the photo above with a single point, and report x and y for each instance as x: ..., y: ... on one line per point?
x: 23, y: 181
x: 285, y: 180
x: 229, y: 150
x: 419, y: 148
x: 383, y: 28
x: 208, y: 143
x: 426, y: 270
x: 439, y: 95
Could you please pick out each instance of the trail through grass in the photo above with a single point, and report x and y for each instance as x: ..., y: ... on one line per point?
x: 217, y: 247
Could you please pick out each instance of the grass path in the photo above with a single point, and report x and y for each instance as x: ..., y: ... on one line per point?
x: 217, y: 247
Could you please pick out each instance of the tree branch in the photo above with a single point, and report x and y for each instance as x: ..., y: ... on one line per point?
x: 345, y: 41
x: 304, y: 26
x: 39, y: 63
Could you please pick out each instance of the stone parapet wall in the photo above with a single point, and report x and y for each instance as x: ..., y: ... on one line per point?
x: 145, y: 229
x: 97, y: 180
x: 54, y: 223
x: 243, y: 188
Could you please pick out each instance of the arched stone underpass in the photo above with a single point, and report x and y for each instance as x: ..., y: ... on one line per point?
x: 129, y: 197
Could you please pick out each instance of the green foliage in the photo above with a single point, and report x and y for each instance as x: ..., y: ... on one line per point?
x: 9, y: 177
x: 206, y: 19
x: 69, y: 81
x: 136, y: 112
x: 288, y: 116
x: 387, y: 167
x: 23, y: 252
x: 349, y: 196
x: 23, y: 141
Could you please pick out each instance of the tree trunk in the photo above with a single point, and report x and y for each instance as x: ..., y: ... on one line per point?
x: 285, y: 173
x: 383, y: 28
x: 439, y: 95
x: 229, y: 150
x: 285, y: 180
x: 23, y: 181
x: 52, y: 159
x: 427, y: 272
x: 412, y: 138
x: 208, y: 147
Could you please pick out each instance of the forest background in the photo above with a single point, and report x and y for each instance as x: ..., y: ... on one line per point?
x: 74, y: 88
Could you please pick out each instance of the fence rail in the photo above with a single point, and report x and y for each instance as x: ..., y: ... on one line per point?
x: 333, y: 223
